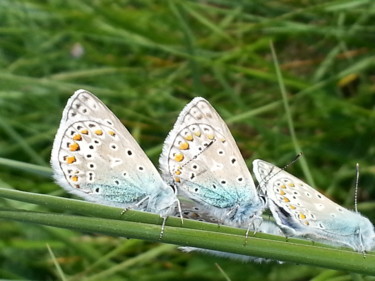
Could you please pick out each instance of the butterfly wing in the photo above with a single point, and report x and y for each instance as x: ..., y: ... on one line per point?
x: 194, y: 211
x: 303, y: 211
x: 266, y: 227
x: 202, y: 159
x: 95, y: 157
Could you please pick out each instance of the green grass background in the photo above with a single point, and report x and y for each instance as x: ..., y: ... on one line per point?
x: 146, y: 60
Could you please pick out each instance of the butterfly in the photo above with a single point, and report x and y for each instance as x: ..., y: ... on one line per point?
x: 95, y: 157
x: 301, y: 211
x: 201, y: 158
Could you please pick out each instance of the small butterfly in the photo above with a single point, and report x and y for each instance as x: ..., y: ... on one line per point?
x: 95, y: 157
x: 202, y: 159
x: 302, y: 211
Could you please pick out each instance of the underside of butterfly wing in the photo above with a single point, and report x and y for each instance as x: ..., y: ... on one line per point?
x: 300, y: 210
x: 95, y: 157
x: 202, y: 159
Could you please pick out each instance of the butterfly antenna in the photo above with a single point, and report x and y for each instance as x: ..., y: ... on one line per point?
x: 293, y: 161
x: 356, y: 188
x: 271, y: 175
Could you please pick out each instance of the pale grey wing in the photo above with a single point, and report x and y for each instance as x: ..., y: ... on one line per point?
x: 266, y: 227
x: 200, y: 111
x: 192, y: 210
x: 95, y: 157
x: 237, y: 257
x: 300, y: 207
x: 201, y: 157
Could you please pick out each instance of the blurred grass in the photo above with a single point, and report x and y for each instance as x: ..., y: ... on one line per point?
x: 146, y: 60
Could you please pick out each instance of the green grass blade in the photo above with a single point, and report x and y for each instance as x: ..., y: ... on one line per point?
x: 260, y: 245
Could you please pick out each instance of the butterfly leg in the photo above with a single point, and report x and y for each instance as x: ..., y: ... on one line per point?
x: 252, y: 225
x: 141, y: 202
x: 180, y: 211
x: 162, y: 228
x: 135, y: 206
x: 125, y: 210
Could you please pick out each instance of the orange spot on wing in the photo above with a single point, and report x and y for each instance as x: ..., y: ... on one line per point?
x: 286, y: 200
x: 70, y: 159
x: 84, y: 131
x: 112, y: 133
x: 184, y: 146
x: 302, y: 216
x: 178, y: 172
x: 77, y: 137
x: 188, y: 137
x: 74, y: 147
x: 179, y: 157
x: 98, y: 132
x: 74, y: 178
